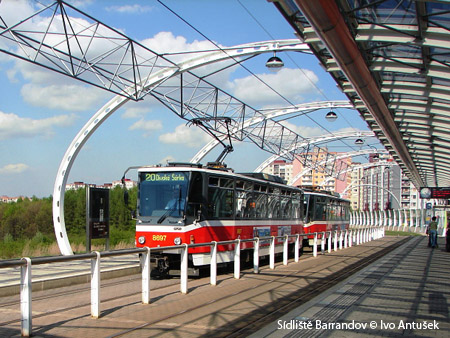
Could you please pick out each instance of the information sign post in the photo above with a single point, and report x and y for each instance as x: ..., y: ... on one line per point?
x: 97, y: 215
x: 435, y: 192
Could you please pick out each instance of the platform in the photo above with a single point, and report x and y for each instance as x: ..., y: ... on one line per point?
x: 240, y: 307
x: 406, y: 293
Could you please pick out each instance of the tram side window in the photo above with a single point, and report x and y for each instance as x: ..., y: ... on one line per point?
x: 274, y: 204
x: 345, y: 212
x: 339, y: 214
x: 220, y: 198
x: 244, y: 200
x: 260, y: 205
x: 310, y: 207
x: 285, y: 207
x: 332, y: 212
x: 319, y: 212
x: 220, y: 203
x: 296, y: 206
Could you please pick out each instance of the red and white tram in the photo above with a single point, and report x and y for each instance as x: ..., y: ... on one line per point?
x: 325, y: 211
x: 187, y: 203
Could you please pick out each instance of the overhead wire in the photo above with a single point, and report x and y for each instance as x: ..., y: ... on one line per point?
x: 247, y: 69
x: 294, y: 62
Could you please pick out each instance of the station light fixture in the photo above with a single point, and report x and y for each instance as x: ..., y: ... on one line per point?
x: 274, y: 63
x: 359, y: 142
x: 331, y: 116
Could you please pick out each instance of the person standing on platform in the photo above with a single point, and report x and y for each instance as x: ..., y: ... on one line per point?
x: 447, y: 238
x: 432, y: 231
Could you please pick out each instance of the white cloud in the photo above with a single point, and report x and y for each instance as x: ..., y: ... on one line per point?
x: 81, y: 3
x: 135, y: 112
x: 64, y: 97
x: 12, y: 125
x: 304, y: 131
x: 167, y: 43
x: 292, y: 84
x: 129, y: 9
x: 15, y: 168
x: 147, y: 126
x: 191, y: 137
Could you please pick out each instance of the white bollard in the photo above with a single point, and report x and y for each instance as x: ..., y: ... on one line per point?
x: 285, y: 250
x: 184, y: 269
x: 25, y: 298
x: 256, y: 256
x: 95, y: 285
x: 315, y: 245
x: 322, y: 243
x: 146, y: 277
x: 237, y: 259
x: 297, y: 248
x: 335, y: 240
x: 329, y: 241
x: 272, y: 253
x: 213, y: 267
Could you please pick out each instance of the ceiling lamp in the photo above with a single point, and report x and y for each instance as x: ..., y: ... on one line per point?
x: 274, y: 63
x: 359, y: 141
x: 331, y: 116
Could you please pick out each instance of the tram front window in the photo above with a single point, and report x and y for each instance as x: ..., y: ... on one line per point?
x: 162, y: 195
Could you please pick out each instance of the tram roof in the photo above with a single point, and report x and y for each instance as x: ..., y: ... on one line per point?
x: 391, y: 58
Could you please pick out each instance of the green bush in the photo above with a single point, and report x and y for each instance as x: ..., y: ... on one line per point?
x: 11, y: 248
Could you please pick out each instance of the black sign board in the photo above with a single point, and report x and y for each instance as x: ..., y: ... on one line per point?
x: 97, y: 214
x: 435, y: 192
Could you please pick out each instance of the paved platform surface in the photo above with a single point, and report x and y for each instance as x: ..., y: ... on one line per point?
x: 406, y: 293
x: 253, y: 301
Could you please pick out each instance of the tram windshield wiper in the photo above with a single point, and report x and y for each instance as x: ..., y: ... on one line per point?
x: 166, y: 214
x: 176, y: 205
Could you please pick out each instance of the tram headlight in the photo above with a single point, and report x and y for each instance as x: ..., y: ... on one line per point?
x: 177, y: 241
x: 141, y: 239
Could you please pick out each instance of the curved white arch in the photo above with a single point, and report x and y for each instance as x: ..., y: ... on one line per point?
x: 116, y: 102
x: 311, y: 141
x: 304, y: 108
x: 352, y: 185
x: 341, y: 156
x: 362, y: 166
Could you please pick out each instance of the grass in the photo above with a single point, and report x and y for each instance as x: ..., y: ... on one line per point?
x: 43, y: 245
x: 403, y: 233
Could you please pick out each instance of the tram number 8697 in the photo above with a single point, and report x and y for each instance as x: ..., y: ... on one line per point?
x: 159, y: 237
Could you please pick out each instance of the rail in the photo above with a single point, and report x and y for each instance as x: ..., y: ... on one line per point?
x: 342, y: 238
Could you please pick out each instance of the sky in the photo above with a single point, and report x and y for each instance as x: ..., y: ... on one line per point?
x: 42, y: 111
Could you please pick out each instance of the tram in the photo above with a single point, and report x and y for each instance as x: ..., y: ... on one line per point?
x: 324, y: 211
x: 190, y: 203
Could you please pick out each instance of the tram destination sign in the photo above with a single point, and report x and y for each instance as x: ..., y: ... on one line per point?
x: 435, y: 192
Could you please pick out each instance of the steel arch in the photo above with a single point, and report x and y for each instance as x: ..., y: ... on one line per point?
x: 345, y: 155
x: 118, y: 101
x: 362, y: 166
x: 312, y: 141
x: 304, y: 108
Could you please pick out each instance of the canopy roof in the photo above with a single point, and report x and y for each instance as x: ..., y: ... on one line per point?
x: 392, y: 59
